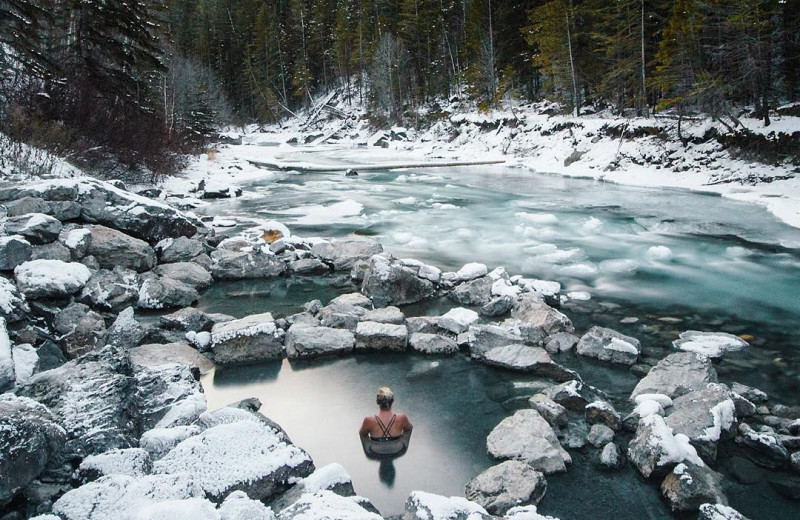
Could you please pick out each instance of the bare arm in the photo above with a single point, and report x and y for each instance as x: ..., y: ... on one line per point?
x: 365, y: 428
x: 407, y: 426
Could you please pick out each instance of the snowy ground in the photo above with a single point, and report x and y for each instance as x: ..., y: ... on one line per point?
x: 524, y: 137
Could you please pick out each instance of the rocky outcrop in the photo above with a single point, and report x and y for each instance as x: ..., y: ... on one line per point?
x: 506, y: 485
x: 527, y: 437
x: 303, y: 341
x: 251, y: 339
x: 30, y: 438
x: 676, y: 375
x: 609, y: 345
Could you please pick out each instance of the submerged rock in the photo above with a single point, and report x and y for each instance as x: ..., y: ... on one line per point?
x: 527, y: 437
x: 506, y: 485
x: 609, y: 345
x: 689, y: 486
x: 676, y: 375
x: 250, y: 339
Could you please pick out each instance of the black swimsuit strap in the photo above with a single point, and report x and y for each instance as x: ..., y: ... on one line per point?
x: 386, y: 429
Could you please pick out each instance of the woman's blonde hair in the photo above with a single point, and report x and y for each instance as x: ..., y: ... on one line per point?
x: 385, y: 397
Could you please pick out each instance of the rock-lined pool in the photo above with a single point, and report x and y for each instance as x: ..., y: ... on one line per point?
x: 675, y: 260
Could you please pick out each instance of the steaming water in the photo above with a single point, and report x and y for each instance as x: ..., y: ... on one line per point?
x: 676, y: 260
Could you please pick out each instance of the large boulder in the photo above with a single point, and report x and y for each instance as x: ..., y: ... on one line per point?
x: 246, y: 455
x: 134, y: 462
x: 190, y: 273
x: 371, y: 335
x: 690, y: 485
x: 327, y: 505
x: 250, y: 339
x: 537, y: 319
x: 523, y: 358
x: 526, y: 436
x: 656, y: 451
x: 30, y: 437
x: 50, y: 278
x: 37, y: 228
x: 389, y: 282
x: 676, y: 375
x: 114, y: 248
x: 243, y: 265
x: 181, y: 249
x: 705, y: 416
x: 111, y: 290
x: 483, y: 338
x: 166, y: 396
x: 343, y: 253
x: 14, y: 250
x: 341, y: 315
x: 102, y: 203
x: 609, y: 345
x: 475, y: 293
x: 333, y: 478
x: 310, y: 341
x: 82, y: 330
x: 427, y: 506
x: 155, y: 355
x: 506, y: 485
x: 160, y: 292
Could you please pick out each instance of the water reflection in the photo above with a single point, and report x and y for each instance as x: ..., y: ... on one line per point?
x: 387, y: 472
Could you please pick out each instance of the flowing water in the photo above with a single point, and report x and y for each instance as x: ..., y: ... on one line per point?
x: 676, y: 260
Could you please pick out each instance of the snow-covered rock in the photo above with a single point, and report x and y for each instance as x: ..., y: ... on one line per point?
x: 534, y: 360
x: 26, y: 361
x: 327, y: 505
x: 111, y: 290
x: 81, y: 329
x: 343, y: 253
x: 553, y: 413
x: 537, y: 319
x: 180, y: 249
x: 77, y: 240
x: 427, y: 506
x: 763, y: 448
x: 610, y: 457
x: 457, y: 320
x: 602, y: 412
x: 166, y: 396
x: 114, y: 248
x: 13, y: 307
x: 179, y: 353
x: 186, y: 319
x: 30, y: 437
x: 719, y: 512
x: 575, y: 395
x: 390, y: 314
x: 690, y: 485
x: 249, y: 339
x: 655, y: 450
x: 711, y: 344
x: 50, y: 278
x: 354, y: 299
x: 8, y: 376
x: 37, y: 228
x: 506, y: 485
x: 526, y: 513
x: 310, y: 341
x: 432, y: 344
x: 371, y: 335
x: 243, y: 265
x: 389, y: 282
x: 159, y: 441
x: 160, y: 292
x: 609, y: 345
x: 476, y: 293
x: 497, y: 306
x: 133, y: 462
x: 332, y: 477
x: 241, y: 456
x: 676, y: 375
x: 14, y: 250
x: 341, y: 316
x: 705, y: 416
x: 472, y: 271
x: 527, y: 437
x: 483, y: 338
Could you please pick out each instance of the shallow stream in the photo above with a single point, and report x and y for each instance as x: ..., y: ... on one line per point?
x: 676, y: 260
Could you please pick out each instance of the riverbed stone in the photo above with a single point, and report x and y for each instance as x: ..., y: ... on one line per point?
x: 14, y: 250
x: 654, y: 450
x: 160, y: 292
x: 524, y: 358
x: 553, y: 413
x: 243, y: 265
x: 308, y: 266
x: 343, y: 253
x: 690, y: 485
x: 432, y: 344
x: 190, y: 273
x: 30, y: 438
x: 180, y: 353
x: 114, y: 248
x: 81, y: 329
x: 475, y: 293
x: 247, y: 340
x: 537, y: 319
x: 371, y: 335
x: 341, y: 316
x: 391, y: 315
x: 303, y: 341
x: 762, y: 448
x: 111, y: 290
x: 506, y: 485
x: 609, y: 345
x: 676, y: 375
x: 600, y: 435
x: 457, y: 320
x: 483, y: 338
x: 611, y: 457
x: 37, y: 228
x: 180, y: 249
x: 526, y: 436
x: 706, y: 416
x: 719, y: 512
x: 389, y: 282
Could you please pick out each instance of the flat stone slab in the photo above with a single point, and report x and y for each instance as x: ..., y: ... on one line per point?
x: 180, y: 353
x: 371, y: 335
x: 676, y: 375
x: 312, y: 341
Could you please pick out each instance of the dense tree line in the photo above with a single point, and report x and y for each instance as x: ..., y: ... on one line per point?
x: 167, y: 70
